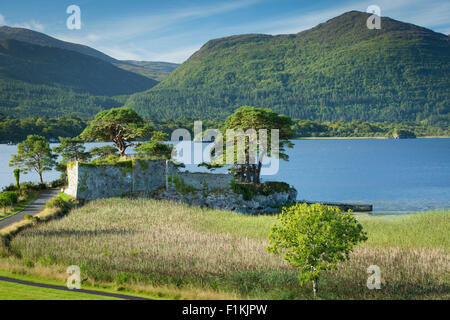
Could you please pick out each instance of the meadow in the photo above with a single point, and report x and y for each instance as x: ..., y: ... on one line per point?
x: 148, y: 245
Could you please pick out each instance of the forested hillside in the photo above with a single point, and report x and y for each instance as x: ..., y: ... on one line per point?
x: 40, y: 65
x: 44, y: 76
x: 21, y: 99
x: 339, y: 70
x: 38, y: 80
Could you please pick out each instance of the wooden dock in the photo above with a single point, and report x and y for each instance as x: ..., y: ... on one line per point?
x: 346, y: 206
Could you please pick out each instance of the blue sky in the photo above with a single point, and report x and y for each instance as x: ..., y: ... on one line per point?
x: 172, y: 30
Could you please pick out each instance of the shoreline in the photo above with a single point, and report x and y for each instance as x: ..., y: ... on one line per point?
x: 365, y: 138
x: 302, y: 138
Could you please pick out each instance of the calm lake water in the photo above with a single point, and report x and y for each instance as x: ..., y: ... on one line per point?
x: 396, y: 176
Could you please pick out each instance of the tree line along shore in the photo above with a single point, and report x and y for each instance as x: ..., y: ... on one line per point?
x: 14, y: 130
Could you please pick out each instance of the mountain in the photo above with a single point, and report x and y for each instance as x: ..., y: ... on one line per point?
x: 37, y: 80
x: 44, y: 76
x: 38, y: 38
x: 35, y: 64
x: 149, y: 69
x: 338, y: 70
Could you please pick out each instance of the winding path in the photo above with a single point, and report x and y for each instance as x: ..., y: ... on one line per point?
x: 33, y: 208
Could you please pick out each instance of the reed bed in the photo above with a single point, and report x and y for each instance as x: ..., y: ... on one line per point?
x: 135, y: 243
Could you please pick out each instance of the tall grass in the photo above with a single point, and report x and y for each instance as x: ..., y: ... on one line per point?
x: 139, y: 242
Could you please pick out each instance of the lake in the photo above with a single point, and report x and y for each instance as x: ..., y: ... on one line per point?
x: 396, y: 176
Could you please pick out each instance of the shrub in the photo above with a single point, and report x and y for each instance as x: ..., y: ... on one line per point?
x: 41, y: 186
x: 181, y: 186
x: 62, y: 201
x: 61, y: 182
x: 250, y: 189
x: 11, y: 187
x: 8, y: 198
x: 28, y: 186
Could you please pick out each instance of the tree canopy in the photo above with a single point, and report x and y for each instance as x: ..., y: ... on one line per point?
x: 34, y: 154
x: 314, y: 238
x: 122, y: 126
x: 71, y: 149
x: 254, y: 128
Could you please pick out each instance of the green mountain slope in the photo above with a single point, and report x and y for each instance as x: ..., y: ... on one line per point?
x: 149, y: 69
x: 37, y: 80
x: 22, y: 100
x: 338, y: 70
x: 36, y: 64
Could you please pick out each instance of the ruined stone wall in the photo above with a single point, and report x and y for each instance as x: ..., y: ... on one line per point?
x: 141, y: 177
x: 206, y: 181
x: 89, y: 182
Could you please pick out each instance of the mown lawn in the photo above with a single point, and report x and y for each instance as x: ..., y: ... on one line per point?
x: 139, y: 244
x: 14, y: 291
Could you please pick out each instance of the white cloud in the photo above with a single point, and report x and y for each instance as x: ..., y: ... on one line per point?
x: 176, y: 56
x: 33, y: 25
x: 431, y: 14
x: 130, y: 27
x: 131, y: 52
x: 122, y: 31
x: 93, y: 37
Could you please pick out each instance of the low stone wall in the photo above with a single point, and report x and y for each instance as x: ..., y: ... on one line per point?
x: 206, y: 181
x: 229, y: 200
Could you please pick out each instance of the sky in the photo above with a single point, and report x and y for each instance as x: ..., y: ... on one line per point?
x: 172, y: 30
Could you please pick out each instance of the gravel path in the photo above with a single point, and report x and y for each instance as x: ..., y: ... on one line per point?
x: 33, y: 208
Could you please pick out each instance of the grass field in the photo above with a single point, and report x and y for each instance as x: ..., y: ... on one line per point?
x: 14, y: 291
x: 188, y: 252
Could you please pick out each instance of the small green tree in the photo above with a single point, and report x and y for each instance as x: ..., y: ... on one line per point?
x: 71, y: 149
x: 155, y: 150
x: 314, y: 238
x: 16, y: 172
x: 103, y: 152
x: 122, y: 126
x: 104, y: 155
x: 33, y: 154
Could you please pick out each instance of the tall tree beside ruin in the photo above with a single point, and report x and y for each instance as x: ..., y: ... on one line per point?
x: 247, y: 165
x: 123, y: 126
